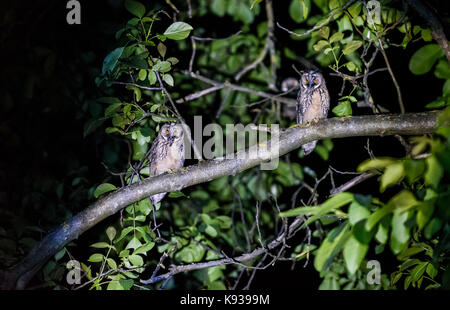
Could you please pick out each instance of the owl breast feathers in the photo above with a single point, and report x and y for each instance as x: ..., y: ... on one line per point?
x: 166, y: 153
x: 313, y: 102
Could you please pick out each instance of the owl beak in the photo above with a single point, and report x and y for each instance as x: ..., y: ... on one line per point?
x: 310, y: 84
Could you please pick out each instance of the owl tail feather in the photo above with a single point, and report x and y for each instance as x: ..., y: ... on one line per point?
x: 309, y: 147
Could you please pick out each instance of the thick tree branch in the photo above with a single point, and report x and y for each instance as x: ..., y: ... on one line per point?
x: 289, y: 140
x: 437, y: 31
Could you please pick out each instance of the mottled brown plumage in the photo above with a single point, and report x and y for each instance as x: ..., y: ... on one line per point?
x: 313, y: 102
x: 166, y: 153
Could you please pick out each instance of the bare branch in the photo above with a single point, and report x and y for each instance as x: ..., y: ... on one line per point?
x: 240, y: 88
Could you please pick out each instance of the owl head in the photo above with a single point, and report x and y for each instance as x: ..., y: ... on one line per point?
x: 311, y: 79
x: 171, y: 132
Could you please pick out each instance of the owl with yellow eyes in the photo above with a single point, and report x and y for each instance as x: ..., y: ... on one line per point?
x: 166, y: 153
x: 313, y: 102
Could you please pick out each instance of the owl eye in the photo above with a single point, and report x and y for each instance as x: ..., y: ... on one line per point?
x: 175, y: 132
x: 166, y: 132
x: 315, y: 81
x: 306, y: 80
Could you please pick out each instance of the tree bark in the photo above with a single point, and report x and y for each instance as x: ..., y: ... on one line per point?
x: 291, y: 139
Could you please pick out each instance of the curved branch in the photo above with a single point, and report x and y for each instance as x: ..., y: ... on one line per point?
x: 289, y: 140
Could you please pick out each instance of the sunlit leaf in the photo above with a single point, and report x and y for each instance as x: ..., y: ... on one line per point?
x: 178, y: 31
x: 354, y: 252
x: 424, y: 58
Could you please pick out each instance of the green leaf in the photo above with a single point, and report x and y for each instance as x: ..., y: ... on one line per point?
x: 142, y: 74
x: 400, y: 233
x: 299, y: 10
x: 210, y: 230
x: 299, y: 211
x: 418, y: 271
x: 123, y: 233
x: 433, y: 227
x: 126, y: 283
x: 134, y: 7
x: 376, y: 163
x: 176, y: 194
x: 136, y: 260
x: 424, y: 58
x: 178, y: 31
x: 331, y: 246
x: 426, y: 35
x: 219, y: 7
x: 350, y: 66
x: 324, y: 32
x: 362, y: 234
x: 111, y: 263
x: 320, y: 45
x: 392, y: 175
x: 331, y: 204
x: 161, y: 49
x: 133, y: 244
x: 111, y: 233
x: 144, y: 248
x: 355, y: 9
x: 424, y: 212
x: 343, y: 109
x: 338, y: 36
x: 407, y: 253
x: 215, y: 273
x: 446, y: 88
x: 104, y: 188
x: 351, y: 47
x: 138, y: 61
x: 375, y: 217
x: 110, y: 110
x: 162, y: 66
x: 431, y: 270
x: 96, y: 258
x: 168, y: 79
x: 414, y: 169
x: 442, y: 70
x: 357, y: 212
x: 60, y: 254
x: 354, y: 252
x: 383, y: 229
x: 434, y: 172
x: 152, y: 77
x: 111, y: 60
x: 403, y: 201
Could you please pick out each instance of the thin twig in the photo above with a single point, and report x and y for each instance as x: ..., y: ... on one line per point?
x: 240, y: 88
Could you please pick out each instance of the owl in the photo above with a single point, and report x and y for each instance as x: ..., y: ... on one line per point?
x: 313, y: 102
x: 166, y: 153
